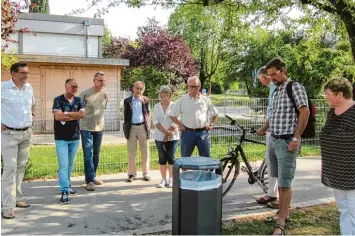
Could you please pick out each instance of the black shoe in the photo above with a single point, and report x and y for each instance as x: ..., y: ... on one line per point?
x: 65, y: 198
x: 146, y: 178
x: 72, y: 192
x: 130, y: 178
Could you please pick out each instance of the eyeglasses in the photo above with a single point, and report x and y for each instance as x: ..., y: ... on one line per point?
x: 23, y: 73
x: 194, y: 87
x: 275, y: 73
x: 139, y: 88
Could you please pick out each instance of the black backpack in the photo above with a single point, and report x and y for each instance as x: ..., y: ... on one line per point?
x: 310, y: 130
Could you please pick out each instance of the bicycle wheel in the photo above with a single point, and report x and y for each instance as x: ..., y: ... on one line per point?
x: 231, y: 168
x: 264, y: 176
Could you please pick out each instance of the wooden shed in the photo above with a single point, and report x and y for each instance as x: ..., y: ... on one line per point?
x: 73, y: 50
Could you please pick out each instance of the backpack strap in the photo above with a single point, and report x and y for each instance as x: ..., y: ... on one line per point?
x: 290, y: 95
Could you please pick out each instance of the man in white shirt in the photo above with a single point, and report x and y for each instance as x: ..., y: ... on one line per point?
x: 195, y: 110
x: 17, y: 108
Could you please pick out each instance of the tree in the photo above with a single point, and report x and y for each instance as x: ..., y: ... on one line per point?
x: 342, y: 9
x: 205, y: 30
x: 107, y: 38
x: 39, y: 6
x: 156, y: 57
x: 311, y: 58
x: 9, y: 16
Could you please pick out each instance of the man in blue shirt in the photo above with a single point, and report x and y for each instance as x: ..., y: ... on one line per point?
x: 68, y: 110
x: 136, y: 127
x: 273, y: 186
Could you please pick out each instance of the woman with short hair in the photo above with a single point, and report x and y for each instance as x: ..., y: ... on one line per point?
x: 338, y: 150
x: 166, y: 136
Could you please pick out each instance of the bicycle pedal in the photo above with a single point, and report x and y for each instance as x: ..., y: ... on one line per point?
x: 244, y: 169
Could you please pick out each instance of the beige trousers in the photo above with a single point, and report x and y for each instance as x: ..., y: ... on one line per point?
x: 15, y: 148
x: 138, y: 133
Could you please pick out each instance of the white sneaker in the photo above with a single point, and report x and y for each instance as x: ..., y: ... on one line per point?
x: 162, y: 183
x: 170, y: 183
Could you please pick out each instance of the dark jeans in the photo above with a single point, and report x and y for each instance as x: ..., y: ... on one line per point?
x: 166, y: 151
x: 91, y: 143
x: 190, y: 139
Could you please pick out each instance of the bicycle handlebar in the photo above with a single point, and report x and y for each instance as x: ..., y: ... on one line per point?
x: 244, y: 130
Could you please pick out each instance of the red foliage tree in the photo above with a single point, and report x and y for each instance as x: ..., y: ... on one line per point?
x: 155, y: 47
x: 9, y: 17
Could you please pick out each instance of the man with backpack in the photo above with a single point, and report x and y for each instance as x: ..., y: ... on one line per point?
x: 290, y: 115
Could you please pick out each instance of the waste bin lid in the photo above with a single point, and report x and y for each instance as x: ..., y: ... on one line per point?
x: 198, y: 163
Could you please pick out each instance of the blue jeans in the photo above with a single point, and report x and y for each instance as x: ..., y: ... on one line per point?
x: 190, y: 139
x: 66, y: 153
x: 91, y: 143
x: 166, y: 151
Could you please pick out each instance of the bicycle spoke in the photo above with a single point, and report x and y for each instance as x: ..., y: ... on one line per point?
x: 230, y: 173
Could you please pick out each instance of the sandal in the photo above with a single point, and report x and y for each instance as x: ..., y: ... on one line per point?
x: 276, y: 217
x: 8, y: 213
x: 273, y: 204
x: 22, y: 204
x: 266, y: 199
x: 281, y: 227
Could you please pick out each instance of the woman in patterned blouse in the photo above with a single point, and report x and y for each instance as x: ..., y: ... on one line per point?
x: 338, y: 150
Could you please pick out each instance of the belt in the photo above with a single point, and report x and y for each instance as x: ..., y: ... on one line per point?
x: 195, y: 130
x: 283, y: 136
x: 138, y: 123
x: 17, y: 129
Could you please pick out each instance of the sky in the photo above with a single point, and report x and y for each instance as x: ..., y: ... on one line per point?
x: 121, y: 21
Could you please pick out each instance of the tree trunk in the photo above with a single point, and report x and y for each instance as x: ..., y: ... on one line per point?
x: 349, y: 22
x: 202, y: 78
x: 342, y: 9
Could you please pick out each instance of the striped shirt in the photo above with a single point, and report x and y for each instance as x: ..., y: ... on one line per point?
x: 284, y: 117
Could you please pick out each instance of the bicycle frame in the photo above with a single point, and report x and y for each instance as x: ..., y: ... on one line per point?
x: 239, y: 149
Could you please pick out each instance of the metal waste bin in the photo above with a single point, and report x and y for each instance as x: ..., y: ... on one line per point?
x: 197, y: 197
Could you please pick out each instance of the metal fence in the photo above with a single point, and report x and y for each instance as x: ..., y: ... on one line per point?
x: 249, y: 112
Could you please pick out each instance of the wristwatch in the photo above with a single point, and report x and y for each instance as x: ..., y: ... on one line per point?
x: 294, y: 139
x: 65, y: 113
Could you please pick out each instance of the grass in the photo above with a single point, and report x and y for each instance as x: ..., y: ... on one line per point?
x: 113, y: 159
x: 315, y: 220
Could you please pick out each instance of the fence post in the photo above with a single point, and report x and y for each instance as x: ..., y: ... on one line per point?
x: 225, y: 98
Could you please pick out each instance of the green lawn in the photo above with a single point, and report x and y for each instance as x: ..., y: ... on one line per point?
x: 113, y: 159
x: 316, y: 220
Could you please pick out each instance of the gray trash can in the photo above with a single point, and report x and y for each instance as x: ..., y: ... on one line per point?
x: 197, y: 197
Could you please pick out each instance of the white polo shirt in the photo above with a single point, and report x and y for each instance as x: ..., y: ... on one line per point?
x: 195, y: 113
x: 16, y: 105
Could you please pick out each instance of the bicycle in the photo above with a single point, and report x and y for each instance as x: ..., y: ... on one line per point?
x: 231, y: 162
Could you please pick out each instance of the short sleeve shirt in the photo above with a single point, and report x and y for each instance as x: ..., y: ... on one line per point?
x: 195, y: 113
x: 95, y: 104
x: 284, y: 116
x: 68, y: 131
x: 163, y: 118
x: 16, y: 105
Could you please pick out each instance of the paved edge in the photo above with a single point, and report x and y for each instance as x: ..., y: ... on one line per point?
x: 245, y: 213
